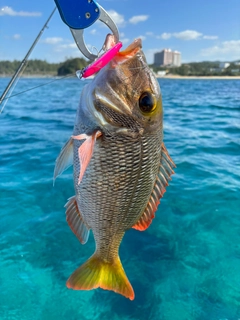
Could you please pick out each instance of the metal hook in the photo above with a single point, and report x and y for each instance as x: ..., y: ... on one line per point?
x: 79, y: 39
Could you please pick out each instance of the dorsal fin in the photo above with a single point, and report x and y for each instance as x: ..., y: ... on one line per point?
x: 164, y: 175
x: 75, y: 220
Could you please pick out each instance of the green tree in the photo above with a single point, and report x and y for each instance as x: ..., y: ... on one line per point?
x: 33, y: 67
x: 71, y: 66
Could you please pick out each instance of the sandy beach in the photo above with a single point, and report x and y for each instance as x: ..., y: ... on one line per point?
x: 173, y: 76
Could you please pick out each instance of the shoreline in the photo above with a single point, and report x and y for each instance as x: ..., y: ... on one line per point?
x: 29, y: 76
x: 173, y: 76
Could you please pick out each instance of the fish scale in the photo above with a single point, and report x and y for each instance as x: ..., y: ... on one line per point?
x: 111, y: 177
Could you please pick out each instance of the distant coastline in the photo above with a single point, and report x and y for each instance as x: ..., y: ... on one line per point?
x: 191, y: 70
x: 173, y: 76
x: 31, y: 76
x: 169, y: 76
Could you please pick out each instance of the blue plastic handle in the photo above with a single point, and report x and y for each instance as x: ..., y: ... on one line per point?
x: 78, y: 14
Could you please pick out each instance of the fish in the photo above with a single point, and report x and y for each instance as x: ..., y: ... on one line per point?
x: 121, y: 167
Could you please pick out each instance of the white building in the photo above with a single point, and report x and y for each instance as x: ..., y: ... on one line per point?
x: 176, y: 59
x: 224, y: 65
x: 161, y: 73
x: 167, y: 57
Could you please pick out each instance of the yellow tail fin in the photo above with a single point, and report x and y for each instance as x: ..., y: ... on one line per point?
x: 96, y: 273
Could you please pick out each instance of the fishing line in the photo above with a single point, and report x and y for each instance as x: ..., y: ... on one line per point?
x: 6, y: 98
x: 44, y: 84
x: 136, y: 73
x: 40, y: 85
x: 137, y: 68
x: 23, y: 64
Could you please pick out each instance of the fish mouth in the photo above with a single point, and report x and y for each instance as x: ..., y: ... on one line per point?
x: 130, y: 51
x: 133, y: 48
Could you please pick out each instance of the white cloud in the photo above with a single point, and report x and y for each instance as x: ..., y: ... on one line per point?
x: 136, y: 19
x: 227, y: 50
x: 16, y: 36
x: 141, y: 37
x: 210, y: 37
x: 124, y: 40
x: 149, y: 33
x: 66, y: 46
x: 66, y: 51
x: 117, y: 18
x: 53, y: 40
x: 8, y: 11
x: 93, y: 31
x: 165, y: 36
x: 187, y: 35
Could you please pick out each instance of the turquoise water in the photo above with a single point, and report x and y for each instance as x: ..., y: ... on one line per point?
x: 186, y: 266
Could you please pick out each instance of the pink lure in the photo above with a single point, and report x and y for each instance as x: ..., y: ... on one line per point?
x: 102, y: 61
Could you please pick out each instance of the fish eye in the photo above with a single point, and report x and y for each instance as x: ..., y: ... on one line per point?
x: 146, y: 102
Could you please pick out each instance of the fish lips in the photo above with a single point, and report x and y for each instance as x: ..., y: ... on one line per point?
x: 129, y: 52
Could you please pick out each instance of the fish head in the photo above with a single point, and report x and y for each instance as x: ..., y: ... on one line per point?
x: 125, y: 96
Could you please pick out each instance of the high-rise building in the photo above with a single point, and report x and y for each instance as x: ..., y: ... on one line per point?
x: 176, y: 59
x: 167, y: 57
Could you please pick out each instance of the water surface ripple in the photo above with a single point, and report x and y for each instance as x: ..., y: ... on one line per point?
x: 185, y: 266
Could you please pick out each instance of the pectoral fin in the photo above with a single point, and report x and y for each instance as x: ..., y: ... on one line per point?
x: 75, y: 220
x: 85, y: 151
x: 164, y: 175
x: 64, y: 160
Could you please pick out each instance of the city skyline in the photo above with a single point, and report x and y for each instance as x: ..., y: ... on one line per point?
x: 201, y: 30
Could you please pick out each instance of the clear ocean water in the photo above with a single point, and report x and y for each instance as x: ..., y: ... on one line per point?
x: 186, y: 266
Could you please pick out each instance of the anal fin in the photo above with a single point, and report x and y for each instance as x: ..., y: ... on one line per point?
x: 75, y: 220
x: 164, y: 175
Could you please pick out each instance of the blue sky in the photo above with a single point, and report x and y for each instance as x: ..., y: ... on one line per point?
x: 200, y: 30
